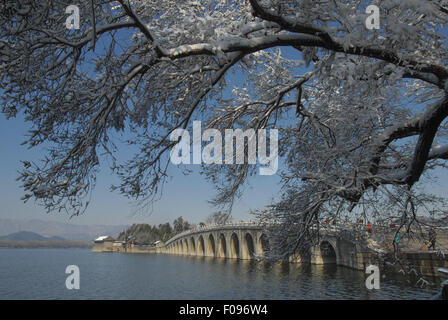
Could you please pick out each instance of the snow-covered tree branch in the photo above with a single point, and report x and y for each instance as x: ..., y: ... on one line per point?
x: 361, y: 113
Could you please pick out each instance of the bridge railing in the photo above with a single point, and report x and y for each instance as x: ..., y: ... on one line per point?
x: 211, y: 227
x: 332, y: 228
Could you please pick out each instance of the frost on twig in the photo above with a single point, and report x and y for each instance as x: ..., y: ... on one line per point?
x: 361, y: 114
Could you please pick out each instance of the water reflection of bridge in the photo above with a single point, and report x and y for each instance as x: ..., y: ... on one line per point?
x: 248, y: 240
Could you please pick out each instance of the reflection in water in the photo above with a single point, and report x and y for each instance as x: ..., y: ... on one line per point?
x: 133, y: 276
x: 269, y: 280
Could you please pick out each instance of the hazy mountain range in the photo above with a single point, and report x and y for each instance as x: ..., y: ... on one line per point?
x: 49, y: 229
x: 28, y: 236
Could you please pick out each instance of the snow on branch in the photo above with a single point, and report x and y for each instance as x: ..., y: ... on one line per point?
x: 343, y: 97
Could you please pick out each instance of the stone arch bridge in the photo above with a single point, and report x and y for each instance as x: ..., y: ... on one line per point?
x: 248, y: 240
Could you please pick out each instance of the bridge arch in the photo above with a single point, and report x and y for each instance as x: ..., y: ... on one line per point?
x: 201, y: 246
x: 211, y: 248
x: 327, y: 252
x: 249, y: 247
x: 181, y: 247
x: 222, y: 246
x: 263, y: 244
x: 248, y: 240
x: 234, y: 246
x: 186, y: 249
x: 192, y: 247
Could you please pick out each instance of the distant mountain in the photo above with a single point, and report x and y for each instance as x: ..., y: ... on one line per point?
x: 58, y: 230
x: 55, y: 238
x: 23, y: 236
x: 26, y: 239
x: 27, y: 236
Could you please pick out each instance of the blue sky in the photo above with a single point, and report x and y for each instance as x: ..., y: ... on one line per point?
x: 184, y: 196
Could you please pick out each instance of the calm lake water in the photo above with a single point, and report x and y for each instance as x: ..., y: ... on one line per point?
x: 40, y: 274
